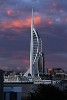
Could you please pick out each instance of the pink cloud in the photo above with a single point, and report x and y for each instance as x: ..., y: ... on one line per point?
x: 20, y: 23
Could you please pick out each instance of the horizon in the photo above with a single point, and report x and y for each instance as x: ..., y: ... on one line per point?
x: 50, y: 20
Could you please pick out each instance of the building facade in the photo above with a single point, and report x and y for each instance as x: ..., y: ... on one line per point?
x: 36, y: 55
x: 1, y: 84
x: 12, y: 92
x: 35, y: 49
x: 41, y: 64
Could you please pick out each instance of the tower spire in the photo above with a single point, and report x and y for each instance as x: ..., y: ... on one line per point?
x: 31, y: 45
x: 32, y: 20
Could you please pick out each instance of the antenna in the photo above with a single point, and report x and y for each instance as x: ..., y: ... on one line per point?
x: 32, y: 20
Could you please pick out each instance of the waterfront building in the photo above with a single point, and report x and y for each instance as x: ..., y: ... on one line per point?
x: 41, y: 64
x: 12, y: 92
x: 1, y: 84
x: 66, y: 76
x: 57, y: 73
x: 55, y: 70
x: 35, y: 52
x: 35, y: 49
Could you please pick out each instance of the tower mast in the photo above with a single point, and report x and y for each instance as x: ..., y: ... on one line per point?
x: 31, y: 45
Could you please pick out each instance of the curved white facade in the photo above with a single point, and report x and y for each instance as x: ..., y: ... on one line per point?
x: 35, y: 49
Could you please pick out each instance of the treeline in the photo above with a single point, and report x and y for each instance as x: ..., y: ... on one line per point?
x: 47, y: 92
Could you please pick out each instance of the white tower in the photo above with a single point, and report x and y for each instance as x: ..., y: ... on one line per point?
x: 31, y: 46
x: 35, y: 50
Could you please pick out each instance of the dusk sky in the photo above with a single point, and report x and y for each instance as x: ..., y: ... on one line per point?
x: 50, y: 19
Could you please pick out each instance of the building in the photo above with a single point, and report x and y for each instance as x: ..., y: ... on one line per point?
x: 41, y: 64
x: 35, y: 51
x: 12, y: 92
x: 1, y: 84
x: 57, y: 73
x: 55, y: 70
x: 50, y: 71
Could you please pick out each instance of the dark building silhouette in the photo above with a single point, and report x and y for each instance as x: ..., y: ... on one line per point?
x: 55, y: 70
x: 41, y: 66
x: 12, y: 92
x: 1, y: 84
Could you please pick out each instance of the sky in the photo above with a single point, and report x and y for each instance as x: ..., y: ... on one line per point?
x: 50, y: 20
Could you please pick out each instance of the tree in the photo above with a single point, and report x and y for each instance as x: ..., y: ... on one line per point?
x: 47, y: 92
